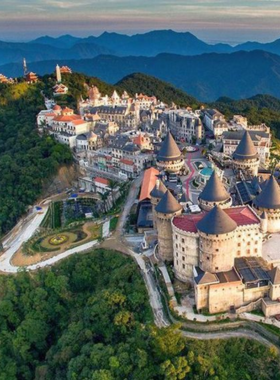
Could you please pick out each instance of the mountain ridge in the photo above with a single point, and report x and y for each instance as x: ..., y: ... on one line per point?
x: 206, y: 77
x: 148, y: 44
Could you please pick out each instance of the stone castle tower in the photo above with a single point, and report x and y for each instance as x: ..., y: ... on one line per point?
x: 267, y: 204
x: 214, y: 193
x: 156, y: 194
x: 169, y: 157
x: 217, y: 241
x: 167, y: 208
x: 245, y: 156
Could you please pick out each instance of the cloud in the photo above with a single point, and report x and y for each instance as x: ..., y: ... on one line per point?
x: 135, y: 15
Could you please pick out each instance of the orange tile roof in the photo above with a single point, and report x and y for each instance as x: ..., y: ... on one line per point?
x: 78, y: 122
x: 67, y: 118
x: 148, y: 183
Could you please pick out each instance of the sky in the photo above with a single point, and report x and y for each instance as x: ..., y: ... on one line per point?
x: 230, y: 21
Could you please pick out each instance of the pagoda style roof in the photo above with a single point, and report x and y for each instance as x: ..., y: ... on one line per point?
x: 274, y: 275
x: 169, y: 150
x: 159, y: 190
x: 168, y: 204
x: 269, y: 198
x: 214, y: 191
x: 216, y: 222
x: 245, y: 149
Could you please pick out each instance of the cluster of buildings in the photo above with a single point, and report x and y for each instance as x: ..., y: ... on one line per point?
x: 225, y: 244
x: 226, y: 249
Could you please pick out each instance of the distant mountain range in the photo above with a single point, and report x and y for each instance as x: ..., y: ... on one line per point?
x: 207, y: 76
x: 148, y: 44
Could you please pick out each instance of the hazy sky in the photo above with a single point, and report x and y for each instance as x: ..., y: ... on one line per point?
x: 221, y: 20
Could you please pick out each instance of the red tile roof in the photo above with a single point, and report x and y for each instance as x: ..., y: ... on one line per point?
x: 104, y: 181
x: 148, y: 183
x: 243, y: 216
x: 126, y: 162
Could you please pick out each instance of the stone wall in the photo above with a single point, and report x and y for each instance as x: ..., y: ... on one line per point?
x: 185, y: 247
x: 223, y: 296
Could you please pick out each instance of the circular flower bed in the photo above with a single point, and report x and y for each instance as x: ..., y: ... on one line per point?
x: 58, y: 239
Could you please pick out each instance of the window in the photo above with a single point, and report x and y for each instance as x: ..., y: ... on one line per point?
x: 239, y: 244
x: 183, y: 258
x: 184, y: 266
x: 217, y: 249
x: 217, y: 268
x: 208, y: 258
x: 183, y: 249
x: 176, y: 245
x: 183, y: 240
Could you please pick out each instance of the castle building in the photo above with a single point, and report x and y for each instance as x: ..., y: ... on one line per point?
x: 169, y: 157
x: 214, y: 194
x: 260, y: 136
x: 245, y: 156
x: 211, y: 240
x: 267, y: 204
x: 167, y: 208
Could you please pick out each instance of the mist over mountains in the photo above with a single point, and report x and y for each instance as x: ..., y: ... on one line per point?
x: 148, y: 44
x: 203, y: 70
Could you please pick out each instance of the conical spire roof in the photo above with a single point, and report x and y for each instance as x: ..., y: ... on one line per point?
x: 159, y: 190
x: 216, y: 222
x: 169, y: 150
x: 246, y: 149
x: 274, y: 275
x: 168, y: 204
x: 214, y: 191
x: 269, y: 198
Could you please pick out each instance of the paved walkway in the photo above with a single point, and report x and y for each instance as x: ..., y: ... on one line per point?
x: 106, y: 229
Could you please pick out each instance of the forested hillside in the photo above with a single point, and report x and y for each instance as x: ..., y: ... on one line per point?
x: 138, y: 82
x: 207, y: 76
x: 26, y: 160
x: 89, y: 318
x: 258, y: 109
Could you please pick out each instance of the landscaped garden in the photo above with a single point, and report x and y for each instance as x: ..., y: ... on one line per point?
x: 62, y: 239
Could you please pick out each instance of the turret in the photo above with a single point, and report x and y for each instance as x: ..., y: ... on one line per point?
x: 165, y: 210
x: 169, y: 157
x: 217, y: 241
x: 156, y: 195
x: 245, y: 156
x: 214, y: 193
x: 268, y: 201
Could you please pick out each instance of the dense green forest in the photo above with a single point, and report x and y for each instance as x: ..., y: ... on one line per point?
x: 89, y: 318
x: 26, y: 159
